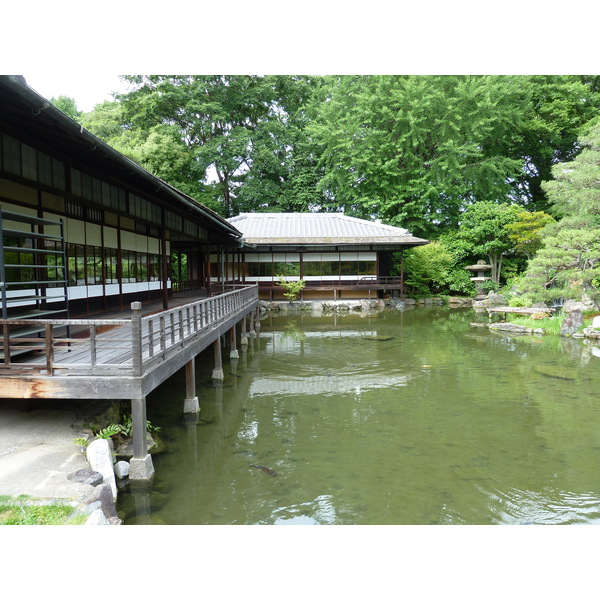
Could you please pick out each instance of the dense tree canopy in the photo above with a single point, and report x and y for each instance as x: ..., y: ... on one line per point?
x: 525, y: 232
x: 557, y: 110
x: 414, y: 151
x: 409, y: 150
x: 67, y: 105
x: 452, y: 158
x: 568, y: 263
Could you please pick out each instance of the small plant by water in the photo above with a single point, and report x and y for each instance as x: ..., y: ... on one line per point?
x: 113, y: 431
x: 551, y: 325
x: 291, y: 288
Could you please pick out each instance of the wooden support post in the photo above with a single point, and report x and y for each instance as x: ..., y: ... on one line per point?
x: 218, y: 370
x: 257, y: 320
x: 164, y: 266
x: 190, y: 404
x: 402, y: 274
x: 252, y: 332
x: 234, y: 351
x: 140, y: 466
x: 244, y: 340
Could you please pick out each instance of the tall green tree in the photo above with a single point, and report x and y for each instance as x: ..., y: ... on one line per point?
x: 557, y: 109
x: 575, y: 187
x: 159, y: 149
x: 283, y: 175
x: 525, y: 232
x: 568, y: 264
x: 234, y: 127
x: 483, y: 227
x: 414, y: 150
x: 68, y: 106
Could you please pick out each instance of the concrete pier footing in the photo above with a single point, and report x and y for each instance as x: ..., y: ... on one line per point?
x: 141, y: 469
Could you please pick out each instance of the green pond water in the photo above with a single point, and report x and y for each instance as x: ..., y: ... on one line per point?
x: 395, y: 418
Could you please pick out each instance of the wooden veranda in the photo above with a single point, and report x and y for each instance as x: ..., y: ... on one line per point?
x: 123, y: 358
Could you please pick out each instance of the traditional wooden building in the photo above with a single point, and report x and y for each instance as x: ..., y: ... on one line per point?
x: 120, y: 224
x: 84, y: 230
x: 336, y: 255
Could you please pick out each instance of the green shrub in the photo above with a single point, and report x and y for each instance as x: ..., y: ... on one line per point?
x: 291, y: 288
x: 432, y: 269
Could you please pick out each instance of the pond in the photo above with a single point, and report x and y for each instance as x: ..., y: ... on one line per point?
x: 393, y: 418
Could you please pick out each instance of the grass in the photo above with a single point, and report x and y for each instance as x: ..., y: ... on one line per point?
x: 24, y: 510
x: 550, y: 325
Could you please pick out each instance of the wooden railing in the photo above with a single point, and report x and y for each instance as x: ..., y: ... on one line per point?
x: 368, y: 280
x: 114, y: 347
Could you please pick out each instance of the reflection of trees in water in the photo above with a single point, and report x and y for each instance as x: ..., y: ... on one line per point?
x: 293, y: 330
x: 472, y: 421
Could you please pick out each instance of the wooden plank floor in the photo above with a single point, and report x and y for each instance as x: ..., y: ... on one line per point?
x: 113, y: 345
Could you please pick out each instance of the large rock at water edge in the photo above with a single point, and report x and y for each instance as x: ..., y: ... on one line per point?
x: 573, y: 320
x: 103, y: 494
x: 99, y: 455
x: 88, y: 476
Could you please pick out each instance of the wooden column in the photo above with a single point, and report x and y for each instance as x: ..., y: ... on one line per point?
x: 218, y: 370
x: 190, y: 404
x: 164, y: 267
x: 402, y: 274
x: 252, y: 332
x: 140, y: 466
x: 234, y: 351
x: 244, y: 340
x: 208, y: 282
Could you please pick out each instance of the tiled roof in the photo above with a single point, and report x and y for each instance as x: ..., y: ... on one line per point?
x: 318, y: 228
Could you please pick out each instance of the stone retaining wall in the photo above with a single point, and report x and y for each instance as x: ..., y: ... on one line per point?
x: 104, y: 471
x: 317, y: 307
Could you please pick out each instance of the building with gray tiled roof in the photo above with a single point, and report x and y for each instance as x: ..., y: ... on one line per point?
x: 336, y: 255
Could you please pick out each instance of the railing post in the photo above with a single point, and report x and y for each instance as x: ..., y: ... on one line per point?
x: 5, y: 329
x: 151, y: 338
x: 162, y: 336
x: 49, y: 349
x: 93, y: 344
x: 136, y: 338
x: 181, y: 326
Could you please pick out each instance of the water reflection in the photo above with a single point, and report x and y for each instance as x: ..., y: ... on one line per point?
x: 319, y: 511
x: 548, y: 507
x: 416, y: 418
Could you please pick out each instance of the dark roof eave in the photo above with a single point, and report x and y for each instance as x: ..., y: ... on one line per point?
x: 258, y: 242
x: 38, y: 104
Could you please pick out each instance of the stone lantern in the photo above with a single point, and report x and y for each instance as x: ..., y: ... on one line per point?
x: 480, y: 268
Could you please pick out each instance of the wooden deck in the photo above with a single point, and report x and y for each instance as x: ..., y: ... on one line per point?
x: 367, y: 283
x: 122, y: 358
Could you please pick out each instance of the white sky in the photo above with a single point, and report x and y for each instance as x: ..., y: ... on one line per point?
x: 87, y: 90
x: 80, y: 55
